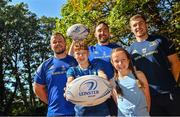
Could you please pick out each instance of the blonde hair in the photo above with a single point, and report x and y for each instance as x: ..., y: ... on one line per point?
x: 136, y: 17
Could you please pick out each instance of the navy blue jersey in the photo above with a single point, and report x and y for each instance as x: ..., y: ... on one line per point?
x: 52, y: 74
x: 150, y: 56
x: 102, y: 53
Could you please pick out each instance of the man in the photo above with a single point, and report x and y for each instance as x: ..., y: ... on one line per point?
x: 102, y: 50
x: 157, y: 58
x: 101, y: 53
x: 50, y: 79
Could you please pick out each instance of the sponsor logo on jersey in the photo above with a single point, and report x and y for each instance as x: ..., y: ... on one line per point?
x: 61, y: 70
x: 134, y: 51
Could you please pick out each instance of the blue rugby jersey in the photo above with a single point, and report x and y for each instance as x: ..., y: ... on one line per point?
x: 102, y: 54
x: 150, y: 56
x: 52, y: 74
x: 98, y: 110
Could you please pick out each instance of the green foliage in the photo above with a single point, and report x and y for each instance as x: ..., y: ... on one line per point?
x: 24, y: 44
x: 24, y: 40
x: 162, y: 16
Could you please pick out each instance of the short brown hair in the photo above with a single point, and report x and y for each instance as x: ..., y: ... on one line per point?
x: 102, y: 22
x: 137, y: 16
x: 80, y: 45
x: 56, y: 34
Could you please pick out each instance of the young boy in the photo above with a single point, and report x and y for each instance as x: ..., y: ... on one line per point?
x: 84, y: 67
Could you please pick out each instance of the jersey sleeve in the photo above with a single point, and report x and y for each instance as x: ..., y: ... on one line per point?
x: 168, y: 46
x: 129, y: 49
x: 39, y: 76
x: 106, y: 67
x: 91, y: 52
x: 70, y: 72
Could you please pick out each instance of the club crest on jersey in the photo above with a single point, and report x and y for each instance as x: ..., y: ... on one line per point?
x: 63, y: 68
x: 144, y: 50
x: 96, y: 52
x: 88, y: 88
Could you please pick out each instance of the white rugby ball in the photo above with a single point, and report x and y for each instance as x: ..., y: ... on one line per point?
x: 77, y: 32
x: 88, y: 90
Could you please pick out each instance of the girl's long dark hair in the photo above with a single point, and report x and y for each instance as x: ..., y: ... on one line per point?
x: 118, y: 89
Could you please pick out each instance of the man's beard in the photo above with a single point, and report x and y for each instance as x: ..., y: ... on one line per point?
x: 60, y: 52
x: 103, y: 40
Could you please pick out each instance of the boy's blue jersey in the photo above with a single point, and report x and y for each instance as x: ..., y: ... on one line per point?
x: 98, y: 110
x: 52, y: 74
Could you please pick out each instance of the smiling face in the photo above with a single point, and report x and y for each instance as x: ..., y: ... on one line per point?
x: 139, y: 28
x: 120, y: 61
x: 58, y: 44
x: 81, y: 56
x: 81, y: 53
x: 102, y: 33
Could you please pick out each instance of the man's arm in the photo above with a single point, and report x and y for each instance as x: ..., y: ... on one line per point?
x: 175, y: 65
x: 70, y: 52
x: 40, y: 91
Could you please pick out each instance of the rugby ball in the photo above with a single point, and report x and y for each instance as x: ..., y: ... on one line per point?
x: 77, y: 32
x: 88, y: 90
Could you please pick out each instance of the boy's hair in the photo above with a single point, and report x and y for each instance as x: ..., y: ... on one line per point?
x: 137, y: 16
x: 80, y: 45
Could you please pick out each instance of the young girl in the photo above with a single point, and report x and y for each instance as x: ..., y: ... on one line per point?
x: 84, y: 67
x: 132, y: 100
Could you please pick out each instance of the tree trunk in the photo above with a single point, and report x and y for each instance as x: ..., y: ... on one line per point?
x: 32, y: 96
x: 21, y: 88
x: 9, y: 103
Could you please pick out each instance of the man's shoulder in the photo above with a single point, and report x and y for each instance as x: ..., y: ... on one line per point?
x: 45, y: 65
x: 71, y: 60
x: 70, y: 57
x: 92, y: 47
x: 132, y: 45
x: 156, y: 36
x: 114, y: 45
x: 47, y: 61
